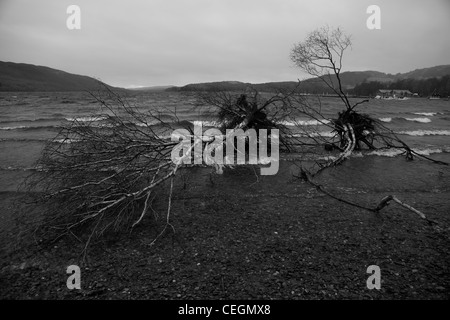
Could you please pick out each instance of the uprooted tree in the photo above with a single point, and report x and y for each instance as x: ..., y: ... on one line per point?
x: 101, y: 175
x: 259, y: 112
x: 105, y: 174
x: 321, y: 56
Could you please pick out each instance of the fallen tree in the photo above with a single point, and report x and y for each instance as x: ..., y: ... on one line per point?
x: 104, y: 175
x: 321, y: 56
x: 101, y: 174
x: 250, y: 108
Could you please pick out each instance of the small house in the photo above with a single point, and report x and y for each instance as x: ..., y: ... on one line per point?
x: 395, y: 93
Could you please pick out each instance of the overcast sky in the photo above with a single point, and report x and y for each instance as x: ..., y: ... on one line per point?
x: 161, y: 42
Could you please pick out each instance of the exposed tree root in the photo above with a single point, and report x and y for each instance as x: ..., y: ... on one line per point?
x: 349, y: 136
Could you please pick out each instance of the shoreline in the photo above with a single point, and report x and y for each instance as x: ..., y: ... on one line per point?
x: 268, y: 238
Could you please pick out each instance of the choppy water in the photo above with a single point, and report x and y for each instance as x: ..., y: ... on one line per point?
x: 28, y: 120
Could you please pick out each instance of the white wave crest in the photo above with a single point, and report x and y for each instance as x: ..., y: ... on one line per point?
x: 427, y: 114
x: 426, y: 133
x: 428, y: 151
x: 65, y: 141
x: 13, y: 128
x: 423, y: 120
x: 386, y: 119
x: 305, y: 122
x: 206, y: 123
x: 386, y: 153
x: 395, y: 152
x: 87, y: 119
x: 328, y: 134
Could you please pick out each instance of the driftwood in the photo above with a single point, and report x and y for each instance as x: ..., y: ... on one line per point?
x: 385, y: 202
x: 306, y: 176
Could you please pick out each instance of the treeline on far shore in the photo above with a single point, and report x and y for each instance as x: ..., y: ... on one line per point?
x: 423, y: 87
x: 437, y: 86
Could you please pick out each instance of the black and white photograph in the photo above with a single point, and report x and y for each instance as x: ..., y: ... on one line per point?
x: 225, y: 155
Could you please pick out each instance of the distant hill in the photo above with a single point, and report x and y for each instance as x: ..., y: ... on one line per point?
x: 153, y: 88
x: 349, y: 79
x: 426, y: 73
x: 236, y: 86
x: 29, y: 77
x: 213, y: 86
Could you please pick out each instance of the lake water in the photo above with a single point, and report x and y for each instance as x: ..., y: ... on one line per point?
x: 28, y: 120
